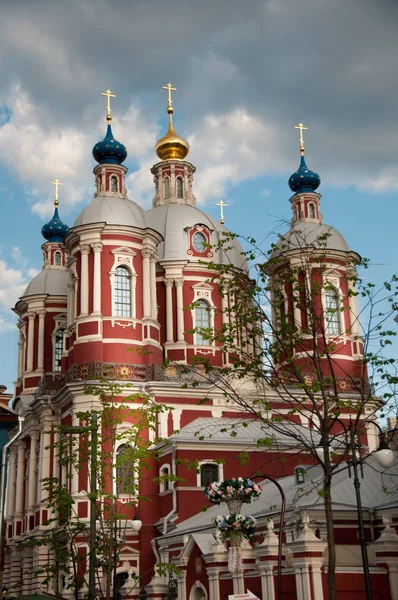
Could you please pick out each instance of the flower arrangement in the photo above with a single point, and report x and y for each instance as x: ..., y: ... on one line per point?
x: 235, y: 526
x: 240, y: 488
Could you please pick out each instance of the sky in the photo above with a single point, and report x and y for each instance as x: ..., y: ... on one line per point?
x: 246, y: 72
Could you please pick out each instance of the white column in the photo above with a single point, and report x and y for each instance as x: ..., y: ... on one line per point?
x: 84, y: 252
x: 154, y: 306
x: 169, y: 310
x: 31, y: 340
x: 71, y: 299
x: 173, y: 191
x: 40, y: 352
x: 11, y: 481
x: 97, y: 248
x: 20, y: 354
x: 146, y: 255
x: 32, y: 483
x: 45, y: 453
x: 182, y: 585
x: 19, y: 480
x: 214, y: 587
x: 317, y: 582
x: 180, y: 309
x: 353, y: 304
x: 238, y: 583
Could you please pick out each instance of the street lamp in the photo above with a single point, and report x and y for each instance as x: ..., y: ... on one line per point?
x: 281, y: 525
x: 384, y: 456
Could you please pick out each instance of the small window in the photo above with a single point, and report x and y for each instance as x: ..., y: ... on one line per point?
x: 199, y: 241
x: 202, y: 322
x: 164, y: 483
x: 166, y: 187
x: 209, y: 472
x: 57, y: 259
x: 59, y: 348
x: 332, y: 305
x: 114, y: 184
x: 122, y: 292
x: 300, y: 474
x: 311, y: 209
x: 125, y: 470
x: 180, y: 188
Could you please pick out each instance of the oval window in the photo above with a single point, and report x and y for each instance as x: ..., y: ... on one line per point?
x: 198, y: 241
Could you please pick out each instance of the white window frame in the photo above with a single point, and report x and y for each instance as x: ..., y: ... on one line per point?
x: 209, y: 461
x: 124, y: 257
x: 116, y: 179
x: 122, y: 497
x: 180, y: 180
x: 60, y: 323
x: 58, y: 253
x: 162, y: 489
x: 167, y: 188
x: 203, y: 291
x: 334, y: 282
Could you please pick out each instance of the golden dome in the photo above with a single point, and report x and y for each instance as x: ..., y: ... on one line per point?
x: 171, y: 146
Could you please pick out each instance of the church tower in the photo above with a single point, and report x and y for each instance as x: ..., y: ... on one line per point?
x: 313, y: 274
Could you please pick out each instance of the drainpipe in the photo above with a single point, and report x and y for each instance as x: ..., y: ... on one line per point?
x: 3, y: 478
x: 173, y: 471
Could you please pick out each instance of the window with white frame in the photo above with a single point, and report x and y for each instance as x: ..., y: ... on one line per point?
x: 164, y: 481
x: 122, y: 292
x: 332, y: 311
x: 209, y: 472
x: 202, y: 322
x: 114, y: 186
x: 125, y: 470
x: 57, y: 259
x: 58, y: 349
x: 180, y: 187
x: 311, y: 210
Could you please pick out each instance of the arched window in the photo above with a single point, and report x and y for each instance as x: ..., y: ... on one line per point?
x: 114, y: 184
x: 209, y: 472
x: 57, y: 259
x: 125, y: 470
x: 164, y: 482
x: 202, y: 321
x: 122, y: 292
x: 180, y: 189
x: 311, y: 211
x: 166, y: 187
x: 59, y: 348
x: 332, y: 306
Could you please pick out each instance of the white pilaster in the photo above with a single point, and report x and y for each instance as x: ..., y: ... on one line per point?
x: 71, y: 299
x: 169, y: 310
x: 32, y: 483
x: 84, y: 251
x: 146, y: 255
x: 20, y: 354
x: 31, y: 340
x: 40, y: 351
x: 180, y: 309
x: 19, y: 495
x: 45, y: 452
x: 11, y: 483
x: 154, y: 306
x: 97, y: 249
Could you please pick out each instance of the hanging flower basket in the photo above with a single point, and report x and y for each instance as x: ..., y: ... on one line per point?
x: 235, y: 527
x: 234, y: 492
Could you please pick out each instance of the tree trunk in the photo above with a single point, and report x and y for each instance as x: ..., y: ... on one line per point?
x: 330, y: 538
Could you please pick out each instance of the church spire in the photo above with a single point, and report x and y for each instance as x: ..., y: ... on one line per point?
x: 55, y: 230
x: 109, y: 151
x: 303, y: 180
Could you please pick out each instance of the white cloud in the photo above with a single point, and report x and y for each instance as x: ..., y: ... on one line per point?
x: 265, y: 192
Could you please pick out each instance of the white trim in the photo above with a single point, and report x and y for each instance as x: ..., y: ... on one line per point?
x: 124, y: 257
x: 209, y: 461
x: 162, y: 484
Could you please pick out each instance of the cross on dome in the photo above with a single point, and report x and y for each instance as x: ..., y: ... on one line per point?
x: 301, y: 127
x: 57, y: 183
x: 171, y: 146
x: 109, y: 95
x: 170, y: 89
x: 221, y: 204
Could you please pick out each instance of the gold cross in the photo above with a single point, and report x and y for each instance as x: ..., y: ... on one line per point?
x: 302, y: 128
x: 109, y: 95
x: 57, y: 183
x: 221, y: 204
x: 170, y: 89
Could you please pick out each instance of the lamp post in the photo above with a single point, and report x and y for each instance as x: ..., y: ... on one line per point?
x: 384, y: 456
x: 281, y: 525
x: 81, y: 430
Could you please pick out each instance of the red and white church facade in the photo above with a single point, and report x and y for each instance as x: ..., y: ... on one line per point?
x: 111, y: 302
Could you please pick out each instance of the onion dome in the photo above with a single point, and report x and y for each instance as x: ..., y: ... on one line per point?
x: 171, y: 146
x: 109, y: 150
x: 304, y: 180
x: 55, y: 230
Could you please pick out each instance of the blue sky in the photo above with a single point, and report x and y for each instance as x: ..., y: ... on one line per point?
x: 246, y: 73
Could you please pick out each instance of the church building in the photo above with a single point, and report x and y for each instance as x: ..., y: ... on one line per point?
x: 124, y: 296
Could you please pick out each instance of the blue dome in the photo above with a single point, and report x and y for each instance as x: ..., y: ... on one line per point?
x: 55, y: 230
x: 304, y: 180
x: 109, y: 150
